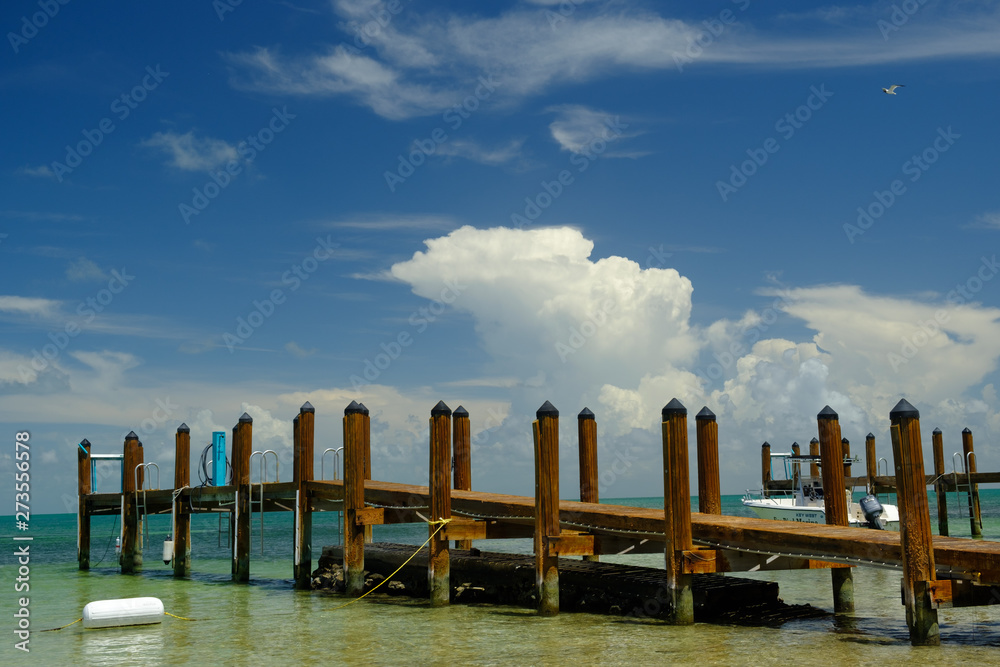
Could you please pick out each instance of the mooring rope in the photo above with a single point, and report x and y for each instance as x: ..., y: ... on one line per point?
x: 440, y: 524
x: 65, y: 626
x: 180, y: 617
x: 81, y: 618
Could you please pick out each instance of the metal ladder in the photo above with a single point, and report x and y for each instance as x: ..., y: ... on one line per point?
x: 141, y: 506
x: 262, y: 476
x: 336, y: 475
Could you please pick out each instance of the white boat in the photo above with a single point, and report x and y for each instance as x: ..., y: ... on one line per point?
x: 805, y: 502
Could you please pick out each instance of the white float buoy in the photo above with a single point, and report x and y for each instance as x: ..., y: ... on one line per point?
x: 168, y: 551
x: 126, y: 611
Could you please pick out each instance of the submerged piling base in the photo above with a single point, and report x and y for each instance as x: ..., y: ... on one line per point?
x: 594, y: 587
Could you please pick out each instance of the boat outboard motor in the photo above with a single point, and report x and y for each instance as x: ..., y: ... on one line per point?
x: 872, y: 509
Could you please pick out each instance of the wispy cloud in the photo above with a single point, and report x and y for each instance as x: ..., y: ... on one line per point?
x: 472, y: 150
x: 423, y: 64
x: 190, y: 153
x: 41, y: 216
x: 297, y: 350
x: 41, y: 171
x: 34, y: 307
x: 387, y: 221
x: 990, y: 220
x: 85, y: 270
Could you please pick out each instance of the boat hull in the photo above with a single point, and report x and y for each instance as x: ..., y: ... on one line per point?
x: 775, y: 509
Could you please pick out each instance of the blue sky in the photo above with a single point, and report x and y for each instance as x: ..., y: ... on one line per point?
x: 209, y: 209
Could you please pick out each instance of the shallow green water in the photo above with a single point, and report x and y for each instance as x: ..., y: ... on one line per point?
x: 266, y: 622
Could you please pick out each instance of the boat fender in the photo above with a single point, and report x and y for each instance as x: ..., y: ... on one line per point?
x: 126, y: 611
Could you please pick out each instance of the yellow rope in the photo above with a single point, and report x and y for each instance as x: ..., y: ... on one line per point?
x: 441, y: 525
x: 65, y: 626
x: 180, y: 617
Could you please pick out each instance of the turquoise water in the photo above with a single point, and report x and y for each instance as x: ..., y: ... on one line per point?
x: 266, y: 621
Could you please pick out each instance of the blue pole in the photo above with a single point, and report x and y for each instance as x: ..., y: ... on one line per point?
x: 218, y: 458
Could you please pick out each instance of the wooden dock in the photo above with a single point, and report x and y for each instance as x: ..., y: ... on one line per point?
x: 937, y: 571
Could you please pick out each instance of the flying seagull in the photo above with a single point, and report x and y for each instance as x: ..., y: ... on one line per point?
x: 891, y: 90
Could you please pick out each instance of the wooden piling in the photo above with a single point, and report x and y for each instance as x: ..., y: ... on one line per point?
x: 937, y: 440
x: 707, y: 438
x: 765, y: 468
x: 871, y: 461
x: 83, y: 479
x: 182, y: 518
x: 975, y: 517
x: 354, y: 499
x: 835, y: 500
x: 845, y: 449
x: 131, y: 554
x: 367, y: 433
x: 796, y: 466
x: 302, y: 472
x: 677, y: 512
x: 546, y: 429
x: 914, y: 525
x: 586, y: 429
x: 242, y: 447
x: 462, y: 442
x: 814, y: 451
x: 438, y: 561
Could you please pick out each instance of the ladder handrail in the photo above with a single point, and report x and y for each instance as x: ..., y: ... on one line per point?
x: 262, y: 470
x: 336, y: 462
x: 142, y: 488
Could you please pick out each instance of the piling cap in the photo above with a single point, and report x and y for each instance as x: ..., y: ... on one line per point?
x: 904, y: 409
x: 85, y: 442
x: 705, y: 415
x: 814, y: 441
x: 364, y: 410
x: 674, y: 407
x: 547, y: 410
x: 353, y: 409
x: 937, y: 431
x: 307, y: 407
x: 246, y: 419
x: 827, y: 413
x: 966, y: 430
x: 131, y: 436
x: 441, y: 410
x: 460, y: 412
x: 585, y: 414
x: 183, y: 428
x: 870, y: 436
x: 766, y: 445
x: 845, y: 441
